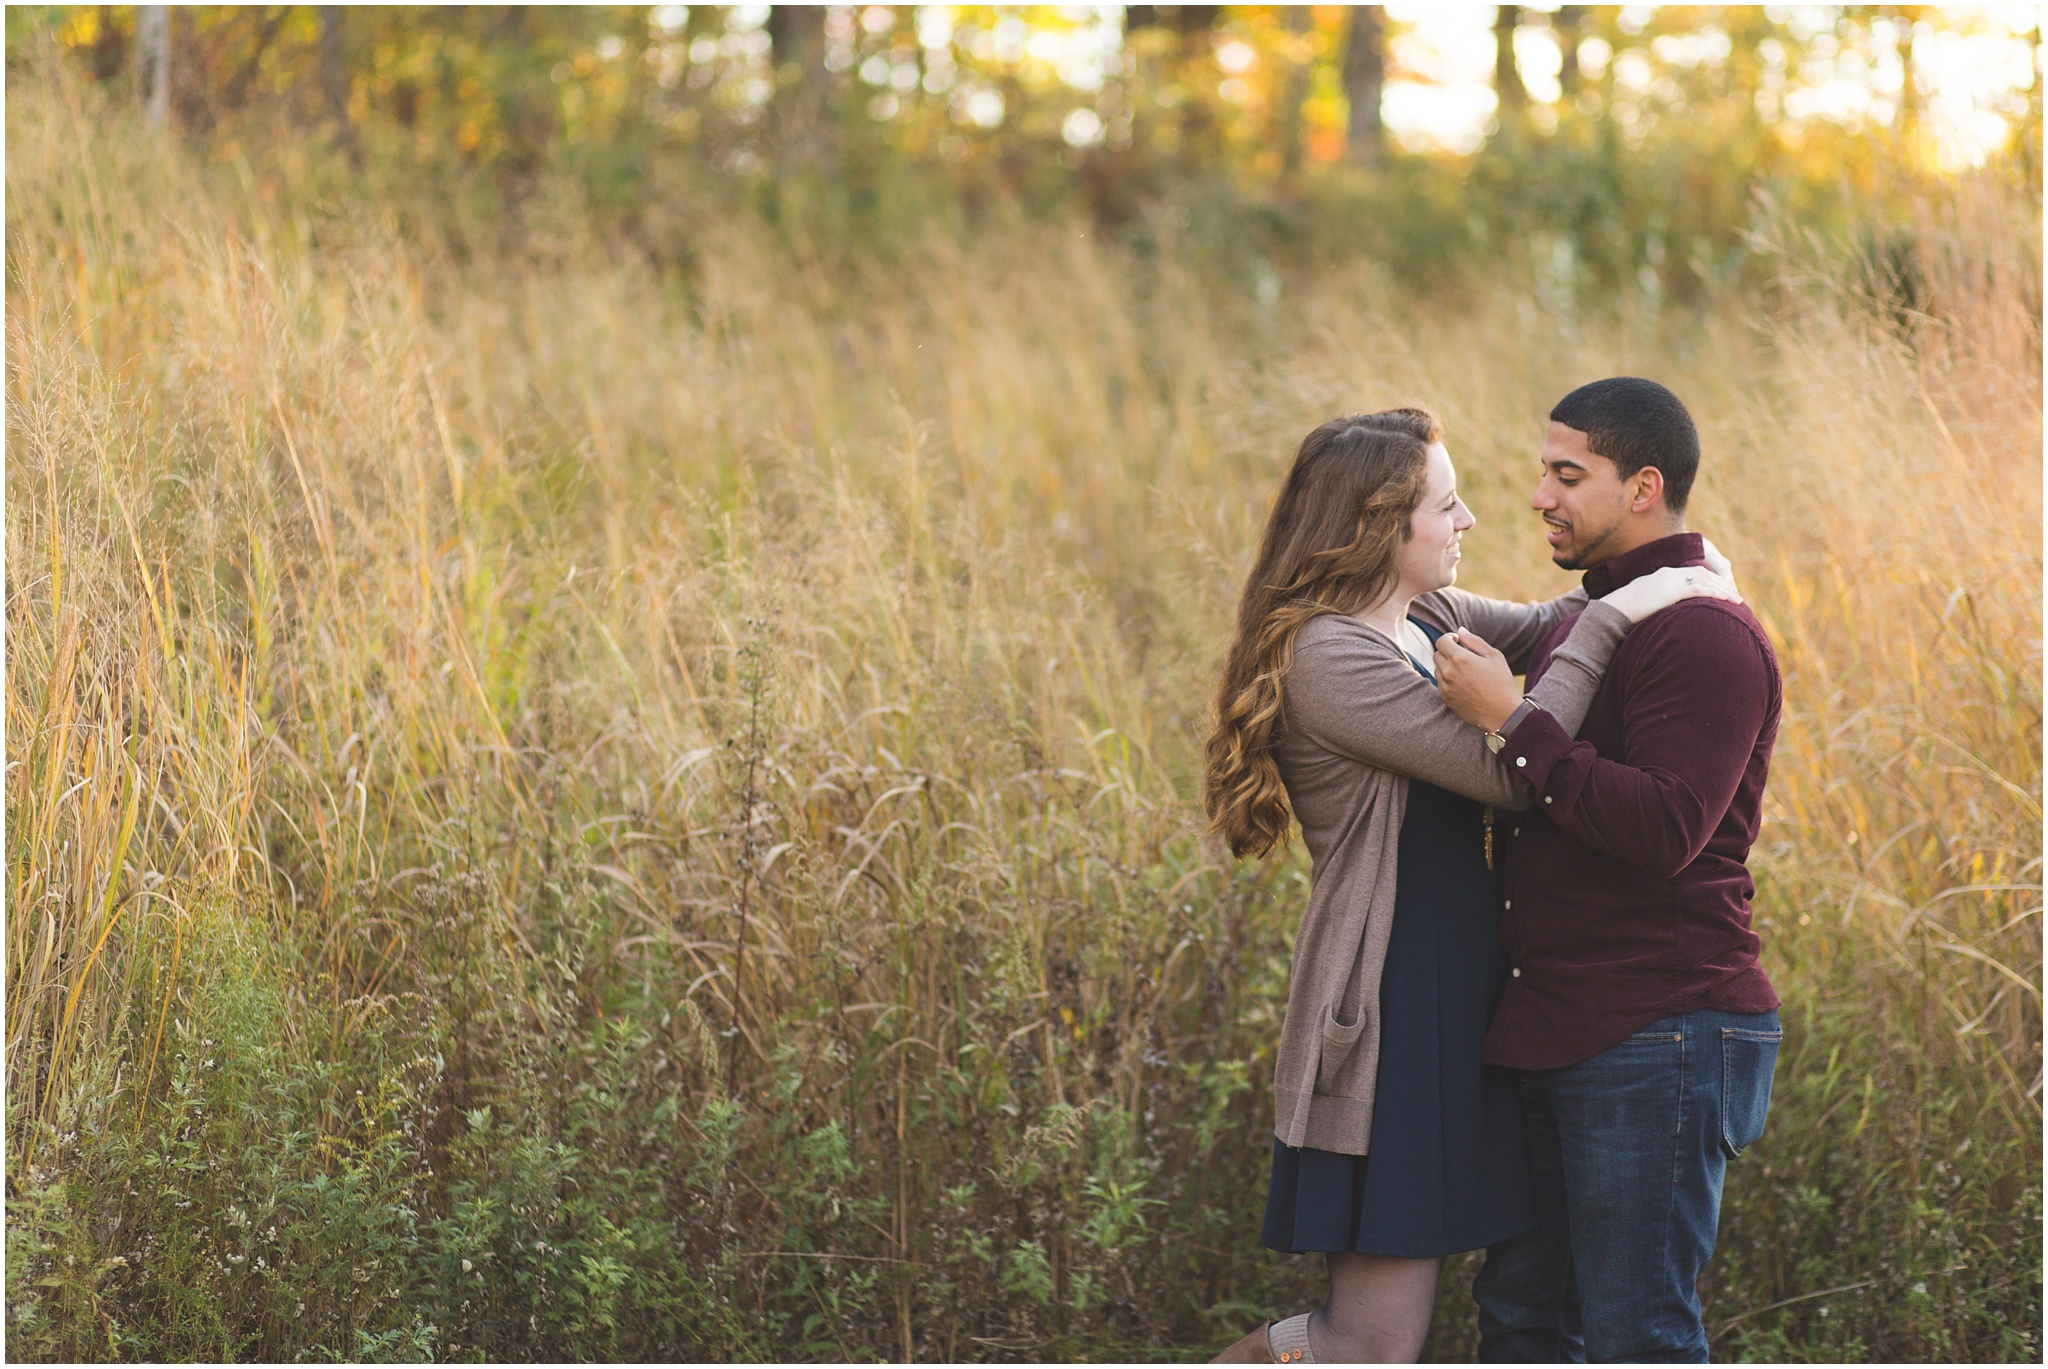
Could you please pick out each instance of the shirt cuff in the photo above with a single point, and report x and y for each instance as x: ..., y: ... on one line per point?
x: 1538, y: 745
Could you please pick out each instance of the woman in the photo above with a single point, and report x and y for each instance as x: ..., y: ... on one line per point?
x: 1394, y: 1145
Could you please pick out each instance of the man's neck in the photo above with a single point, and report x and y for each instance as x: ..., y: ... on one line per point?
x: 1672, y: 549
x: 1636, y: 535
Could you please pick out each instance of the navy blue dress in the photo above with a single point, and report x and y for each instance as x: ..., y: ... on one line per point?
x: 1447, y: 1171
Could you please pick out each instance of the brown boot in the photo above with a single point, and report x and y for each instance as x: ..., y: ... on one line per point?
x: 1250, y: 1350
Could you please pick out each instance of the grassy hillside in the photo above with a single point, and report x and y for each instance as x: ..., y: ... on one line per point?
x: 562, y: 811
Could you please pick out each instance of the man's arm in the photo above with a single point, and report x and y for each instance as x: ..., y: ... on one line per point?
x: 1697, y: 700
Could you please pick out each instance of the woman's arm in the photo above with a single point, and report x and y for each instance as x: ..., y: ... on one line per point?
x: 1573, y: 676
x: 1514, y: 629
x: 1354, y: 692
x: 1478, y: 684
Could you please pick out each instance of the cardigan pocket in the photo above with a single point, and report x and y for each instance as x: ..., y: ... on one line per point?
x: 1338, y: 1041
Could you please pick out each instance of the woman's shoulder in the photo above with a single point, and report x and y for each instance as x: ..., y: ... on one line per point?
x: 1443, y: 609
x: 1337, y: 632
x: 1341, y: 653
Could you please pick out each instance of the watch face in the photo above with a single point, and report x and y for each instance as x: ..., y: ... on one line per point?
x: 1495, y: 741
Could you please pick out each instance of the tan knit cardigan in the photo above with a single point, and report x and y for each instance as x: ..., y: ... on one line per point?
x: 1360, y: 722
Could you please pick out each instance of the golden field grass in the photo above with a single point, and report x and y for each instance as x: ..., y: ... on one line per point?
x: 561, y: 811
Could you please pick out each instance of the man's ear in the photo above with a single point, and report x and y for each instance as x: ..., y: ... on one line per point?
x: 1646, y: 487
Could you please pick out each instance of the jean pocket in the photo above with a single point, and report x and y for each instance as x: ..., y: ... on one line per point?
x: 1338, y: 1040
x: 1748, y: 1059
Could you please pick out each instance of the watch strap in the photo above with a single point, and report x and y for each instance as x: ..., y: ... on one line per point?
x: 1522, y: 711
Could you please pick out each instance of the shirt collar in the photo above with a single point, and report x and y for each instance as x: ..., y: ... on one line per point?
x: 1679, y: 549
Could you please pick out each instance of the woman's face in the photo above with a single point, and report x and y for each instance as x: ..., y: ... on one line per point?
x: 1429, y: 558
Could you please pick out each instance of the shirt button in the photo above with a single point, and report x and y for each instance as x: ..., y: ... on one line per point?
x: 1517, y: 971
x: 1509, y: 904
x: 1521, y: 760
x: 1518, y: 831
x: 1546, y: 798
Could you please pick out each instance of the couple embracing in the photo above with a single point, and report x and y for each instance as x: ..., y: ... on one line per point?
x: 1525, y: 1012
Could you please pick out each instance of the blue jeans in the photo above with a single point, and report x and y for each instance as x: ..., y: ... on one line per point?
x: 1627, y: 1151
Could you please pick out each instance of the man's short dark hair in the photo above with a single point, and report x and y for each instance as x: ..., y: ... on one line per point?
x: 1636, y: 423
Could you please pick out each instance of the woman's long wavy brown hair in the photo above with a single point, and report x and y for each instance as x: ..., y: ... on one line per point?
x: 1329, y: 548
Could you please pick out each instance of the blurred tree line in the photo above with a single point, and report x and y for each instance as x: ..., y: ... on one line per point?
x: 1630, y: 149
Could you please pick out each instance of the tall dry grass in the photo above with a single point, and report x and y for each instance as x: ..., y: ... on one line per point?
x: 560, y: 811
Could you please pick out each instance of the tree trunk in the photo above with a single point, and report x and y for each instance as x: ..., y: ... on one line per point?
x: 1194, y: 28
x: 1183, y: 19
x: 153, y: 59
x: 334, y: 81
x: 796, y: 53
x: 333, y: 75
x: 236, y: 92
x: 796, y: 38
x: 1508, y: 89
x: 1292, y: 93
x: 1569, y: 24
x: 1909, y: 82
x: 1365, y: 81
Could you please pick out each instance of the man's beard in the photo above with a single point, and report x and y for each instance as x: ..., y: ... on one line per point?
x: 1577, y: 559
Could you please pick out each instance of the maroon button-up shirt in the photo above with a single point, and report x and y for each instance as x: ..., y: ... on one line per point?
x: 1627, y: 895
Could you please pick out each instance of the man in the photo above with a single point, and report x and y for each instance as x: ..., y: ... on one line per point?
x: 1643, y: 1027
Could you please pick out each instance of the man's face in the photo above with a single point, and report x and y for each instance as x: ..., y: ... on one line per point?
x: 1584, y: 501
